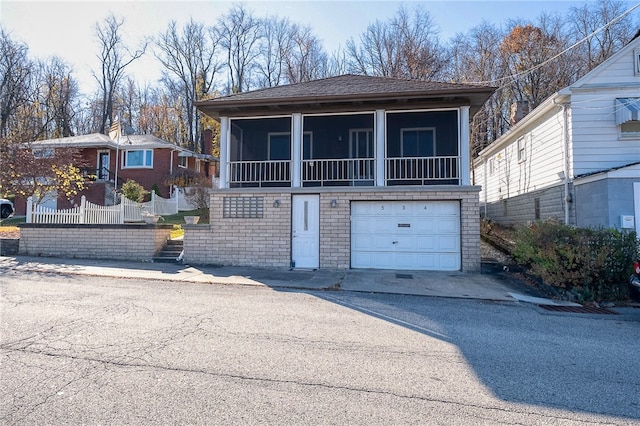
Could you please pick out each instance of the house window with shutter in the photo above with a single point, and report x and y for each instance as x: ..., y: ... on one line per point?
x: 636, y: 62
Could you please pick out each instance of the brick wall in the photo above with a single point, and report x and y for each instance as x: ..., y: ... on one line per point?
x: 266, y: 241
x: 135, y: 242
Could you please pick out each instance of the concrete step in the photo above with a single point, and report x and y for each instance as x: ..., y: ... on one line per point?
x: 169, y: 252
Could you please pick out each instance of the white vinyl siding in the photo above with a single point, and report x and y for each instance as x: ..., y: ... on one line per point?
x: 596, y: 136
x: 512, y: 177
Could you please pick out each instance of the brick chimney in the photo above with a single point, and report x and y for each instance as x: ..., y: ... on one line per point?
x: 518, y: 110
x: 207, y: 141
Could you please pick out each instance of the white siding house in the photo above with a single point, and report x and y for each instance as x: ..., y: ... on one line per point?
x: 576, y: 157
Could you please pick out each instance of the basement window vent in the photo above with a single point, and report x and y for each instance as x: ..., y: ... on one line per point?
x: 242, y: 207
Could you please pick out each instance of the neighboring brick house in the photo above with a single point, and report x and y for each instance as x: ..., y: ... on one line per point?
x: 344, y: 172
x: 574, y: 158
x: 143, y: 158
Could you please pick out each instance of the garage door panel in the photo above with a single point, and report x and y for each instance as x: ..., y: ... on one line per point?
x: 448, y: 244
x: 426, y: 235
x: 425, y: 226
x: 448, y: 225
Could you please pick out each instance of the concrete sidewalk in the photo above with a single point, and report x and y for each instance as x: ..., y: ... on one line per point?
x: 492, y: 285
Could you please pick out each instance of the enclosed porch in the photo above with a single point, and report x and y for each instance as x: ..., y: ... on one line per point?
x: 377, y: 148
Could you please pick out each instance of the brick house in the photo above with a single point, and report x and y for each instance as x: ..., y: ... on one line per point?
x: 344, y: 172
x: 143, y: 158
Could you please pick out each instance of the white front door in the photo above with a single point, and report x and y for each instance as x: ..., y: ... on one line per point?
x: 305, y: 231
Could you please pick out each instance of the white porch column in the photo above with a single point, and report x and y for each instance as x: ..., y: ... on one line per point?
x: 465, y: 152
x: 381, y: 130
x: 225, y: 137
x: 296, y: 150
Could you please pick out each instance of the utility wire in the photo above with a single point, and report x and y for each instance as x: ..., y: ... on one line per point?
x: 602, y: 28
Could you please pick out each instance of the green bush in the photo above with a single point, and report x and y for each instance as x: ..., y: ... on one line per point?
x: 134, y: 191
x: 594, y: 264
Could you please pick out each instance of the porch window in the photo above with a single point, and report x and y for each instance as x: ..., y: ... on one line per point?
x: 418, y: 142
x: 362, y: 143
x: 279, y: 146
x: 338, y: 150
x: 423, y: 148
x: 137, y: 158
x: 260, y: 152
x: 182, y: 162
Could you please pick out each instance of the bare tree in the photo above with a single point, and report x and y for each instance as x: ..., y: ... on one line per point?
x: 114, y: 58
x: 305, y: 58
x: 161, y: 114
x: 591, y: 16
x: 15, y: 83
x: 240, y: 33
x: 59, y: 98
x: 276, y: 38
x: 189, y: 57
x: 474, y: 58
x: 407, y: 46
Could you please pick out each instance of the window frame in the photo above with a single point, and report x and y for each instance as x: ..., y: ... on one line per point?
x: 271, y: 136
x: 41, y: 153
x: 521, y: 147
x: 417, y: 129
x: 125, y: 159
x: 182, y: 158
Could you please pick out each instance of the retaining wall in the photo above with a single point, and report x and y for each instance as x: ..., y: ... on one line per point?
x: 134, y: 242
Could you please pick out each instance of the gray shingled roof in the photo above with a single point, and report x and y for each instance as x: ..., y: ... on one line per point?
x: 347, y: 88
x: 99, y: 140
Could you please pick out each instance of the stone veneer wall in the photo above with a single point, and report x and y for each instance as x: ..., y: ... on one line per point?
x: 135, y: 242
x: 266, y: 241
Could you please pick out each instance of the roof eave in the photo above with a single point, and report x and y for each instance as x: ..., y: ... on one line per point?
x: 474, y: 97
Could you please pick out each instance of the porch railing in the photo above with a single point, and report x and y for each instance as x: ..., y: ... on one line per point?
x: 423, y: 170
x: 260, y: 172
x: 351, y: 172
x: 348, y: 171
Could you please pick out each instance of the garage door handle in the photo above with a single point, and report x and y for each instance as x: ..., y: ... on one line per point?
x: 395, y: 242
x: 404, y: 225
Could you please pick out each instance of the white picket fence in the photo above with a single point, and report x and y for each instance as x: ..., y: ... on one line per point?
x: 90, y: 213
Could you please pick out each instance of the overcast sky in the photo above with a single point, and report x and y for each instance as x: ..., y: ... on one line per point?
x: 67, y: 28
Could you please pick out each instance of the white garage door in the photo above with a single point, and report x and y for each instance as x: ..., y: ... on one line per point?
x: 408, y: 235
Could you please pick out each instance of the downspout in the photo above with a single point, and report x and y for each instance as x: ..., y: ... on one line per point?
x: 565, y: 161
x: 171, y: 171
x: 484, y: 189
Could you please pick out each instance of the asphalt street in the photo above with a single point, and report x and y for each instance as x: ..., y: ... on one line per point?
x: 77, y: 349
